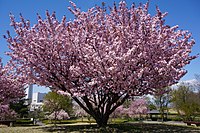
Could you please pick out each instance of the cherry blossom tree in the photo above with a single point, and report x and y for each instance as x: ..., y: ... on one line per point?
x: 136, y: 107
x: 119, y: 112
x: 6, y: 113
x: 59, y: 115
x: 11, y: 90
x: 79, y: 112
x: 101, y: 57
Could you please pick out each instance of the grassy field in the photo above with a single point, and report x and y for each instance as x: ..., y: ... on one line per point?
x: 85, y: 120
x: 112, y: 128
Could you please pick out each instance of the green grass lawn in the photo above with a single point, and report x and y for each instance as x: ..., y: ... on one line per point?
x: 71, y: 121
x: 112, y: 128
x: 85, y: 120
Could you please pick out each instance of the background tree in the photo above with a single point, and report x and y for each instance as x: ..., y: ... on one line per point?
x: 150, y: 103
x: 101, y: 58
x: 80, y: 112
x: 186, y: 102
x: 197, y: 85
x: 54, y: 103
x: 20, y: 108
x: 136, y: 107
x: 162, y: 100
x: 59, y: 115
x: 6, y: 113
x: 11, y: 90
x: 119, y: 112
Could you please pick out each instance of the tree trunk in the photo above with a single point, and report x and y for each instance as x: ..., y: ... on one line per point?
x: 102, y: 122
x: 55, y: 118
x: 100, y: 109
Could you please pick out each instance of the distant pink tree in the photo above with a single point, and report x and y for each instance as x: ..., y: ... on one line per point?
x: 6, y: 113
x: 101, y: 58
x: 119, y: 111
x: 79, y: 112
x: 137, y: 107
x: 11, y: 90
x: 58, y: 115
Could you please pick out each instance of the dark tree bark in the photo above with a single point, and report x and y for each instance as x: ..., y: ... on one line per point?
x: 100, y: 108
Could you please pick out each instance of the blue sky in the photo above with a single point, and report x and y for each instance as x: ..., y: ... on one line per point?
x: 185, y: 13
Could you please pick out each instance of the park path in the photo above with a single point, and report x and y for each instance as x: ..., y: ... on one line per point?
x: 178, y: 123
x: 40, y: 123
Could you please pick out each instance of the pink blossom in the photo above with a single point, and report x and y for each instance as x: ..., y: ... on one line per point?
x: 6, y: 113
x: 79, y: 112
x: 59, y: 115
x: 11, y: 90
x: 136, y: 107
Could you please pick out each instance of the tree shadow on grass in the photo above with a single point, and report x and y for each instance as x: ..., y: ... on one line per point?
x: 26, y: 125
x: 123, y: 128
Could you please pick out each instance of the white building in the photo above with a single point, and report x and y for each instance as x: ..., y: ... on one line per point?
x: 37, y: 101
x: 38, y: 97
x: 36, y: 106
x: 29, y: 93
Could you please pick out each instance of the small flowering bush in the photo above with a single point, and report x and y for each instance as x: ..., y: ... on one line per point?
x: 58, y: 115
x: 11, y: 90
x: 136, y: 107
x: 6, y: 113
